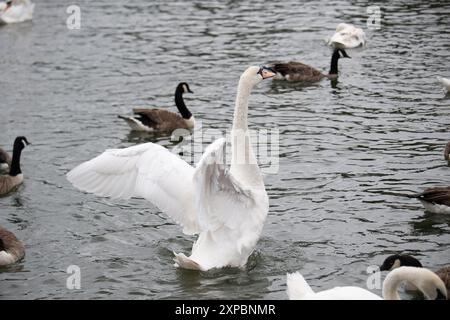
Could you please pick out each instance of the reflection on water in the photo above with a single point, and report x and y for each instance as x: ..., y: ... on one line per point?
x: 348, y: 150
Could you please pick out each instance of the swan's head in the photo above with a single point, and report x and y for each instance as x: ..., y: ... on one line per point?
x: 184, y: 87
x: 398, y: 260
x: 430, y: 284
x: 254, y: 75
x: 20, y: 143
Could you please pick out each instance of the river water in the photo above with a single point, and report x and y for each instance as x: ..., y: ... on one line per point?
x: 345, y: 150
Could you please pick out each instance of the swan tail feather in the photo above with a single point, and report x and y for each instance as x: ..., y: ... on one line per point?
x: 297, y: 287
x: 183, y: 262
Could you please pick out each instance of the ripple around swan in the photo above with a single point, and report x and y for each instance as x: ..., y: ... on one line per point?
x: 346, y: 151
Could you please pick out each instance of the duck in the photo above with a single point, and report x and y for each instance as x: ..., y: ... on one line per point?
x: 300, y: 72
x: 447, y: 151
x: 445, y: 82
x: 14, y: 178
x: 161, y: 120
x: 425, y: 280
x: 224, y: 206
x: 398, y: 260
x: 347, y: 36
x: 12, y: 249
x: 16, y: 11
x: 5, y: 160
x: 435, y: 199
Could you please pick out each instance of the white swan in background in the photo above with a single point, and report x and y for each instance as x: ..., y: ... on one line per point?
x: 16, y: 11
x: 227, y: 208
x: 445, y: 82
x: 425, y: 280
x: 347, y: 36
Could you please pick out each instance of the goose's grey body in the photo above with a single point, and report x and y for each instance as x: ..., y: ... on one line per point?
x: 5, y: 160
x: 299, y: 72
x: 161, y: 120
x: 9, y: 182
x: 436, y: 200
x: 11, y: 249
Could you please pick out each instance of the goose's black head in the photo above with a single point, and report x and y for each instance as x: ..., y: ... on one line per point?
x: 184, y: 87
x: 398, y: 260
x: 20, y: 143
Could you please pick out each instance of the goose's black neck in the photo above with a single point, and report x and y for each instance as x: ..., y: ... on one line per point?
x: 15, y: 163
x: 334, y: 63
x: 2, y: 246
x: 185, y: 113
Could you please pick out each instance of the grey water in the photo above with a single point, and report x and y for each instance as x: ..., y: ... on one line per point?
x: 346, y: 149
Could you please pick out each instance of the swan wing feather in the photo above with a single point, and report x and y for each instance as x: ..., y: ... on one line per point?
x: 147, y: 171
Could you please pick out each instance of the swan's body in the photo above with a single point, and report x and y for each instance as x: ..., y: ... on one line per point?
x: 398, y: 260
x: 226, y: 208
x: 5, y: 160
x: 445, y: 82
x: 299, y: 289
x: 16, y: 11
x: 435, y: 200
x: 425, y: 280
x: 14, y: 178
x: 11, y: 249
x: 161, y: 120
x: 347, y: 36
x: 299, y: 72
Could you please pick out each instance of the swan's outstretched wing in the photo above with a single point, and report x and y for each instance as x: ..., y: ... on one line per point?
x: 220, y: 198
x: 148, y: 171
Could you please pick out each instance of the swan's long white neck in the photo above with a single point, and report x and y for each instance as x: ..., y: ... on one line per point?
x: 416, y: 276
x: 243, y: 164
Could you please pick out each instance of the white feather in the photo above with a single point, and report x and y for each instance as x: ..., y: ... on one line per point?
x: 445, y: 82
x: 19, y: 11
x: 299, y: 289
x: 347, y: 36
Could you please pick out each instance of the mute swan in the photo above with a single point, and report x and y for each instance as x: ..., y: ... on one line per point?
x: 11, y: 249
x: 5, y: 160
x: 435, y: 200
x: 15, y: 177
x: 227, y: 208
x: 297, y: 71
x: 347, y: 36
x: 425, y: 280
x: 445, y: 82
x: 398, y: 260
x: 161, y: 120
x: 16, y: 11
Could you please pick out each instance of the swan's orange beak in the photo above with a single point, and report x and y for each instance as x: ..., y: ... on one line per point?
x: 267, y: 72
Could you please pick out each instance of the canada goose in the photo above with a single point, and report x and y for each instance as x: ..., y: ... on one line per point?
x: 427, y: 281
x: 445, y: 82
x: 161, y: 120
x: 5, y: 160
x: 11, y: 249
x: 16, y: 11
x: 447, y: 152
x: 225, y: 207
x: 297, y: 71
x: 435, y: 200
x: 347, y: 36
x: 12, y: 180
x: 398, y: 260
